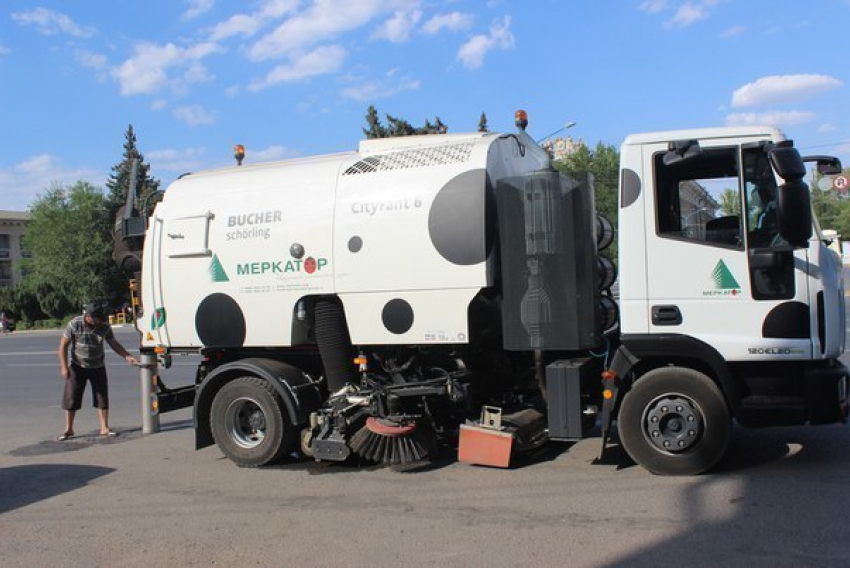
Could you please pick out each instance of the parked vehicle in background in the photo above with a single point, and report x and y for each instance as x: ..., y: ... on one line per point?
x: 7, y: 324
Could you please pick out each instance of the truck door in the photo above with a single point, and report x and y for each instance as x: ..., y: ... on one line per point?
x: 175, y: 243
x: 717, y: 269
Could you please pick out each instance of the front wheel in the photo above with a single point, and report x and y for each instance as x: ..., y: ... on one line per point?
x: 675, y: 421
x: 250, y: 424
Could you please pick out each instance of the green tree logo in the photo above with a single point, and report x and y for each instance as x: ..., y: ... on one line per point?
x: 723, y: 278
x: 217, y: 272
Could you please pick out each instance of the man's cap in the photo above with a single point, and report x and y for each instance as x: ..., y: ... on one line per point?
x: 94, y: 309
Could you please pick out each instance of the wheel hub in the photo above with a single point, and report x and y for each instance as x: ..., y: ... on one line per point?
x: 673, y: 423
x: 246, y: 423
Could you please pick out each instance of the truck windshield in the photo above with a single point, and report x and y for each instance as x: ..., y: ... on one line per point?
x: 761, y: 195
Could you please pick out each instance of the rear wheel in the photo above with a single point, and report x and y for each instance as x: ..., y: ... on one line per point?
x: 250, y: 424
x: 675, y: 421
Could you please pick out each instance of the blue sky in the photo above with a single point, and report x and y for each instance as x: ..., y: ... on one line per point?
x: 291, y: 78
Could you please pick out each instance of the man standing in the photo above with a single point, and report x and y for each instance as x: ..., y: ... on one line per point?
x: 85, y: 335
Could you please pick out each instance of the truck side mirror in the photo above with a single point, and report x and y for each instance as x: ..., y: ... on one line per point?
x: 827, y: 165
x: 786, y: 161
x: 794, y: 213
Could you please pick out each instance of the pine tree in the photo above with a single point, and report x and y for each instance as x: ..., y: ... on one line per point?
x: 482, y: 123
x: 375, y: 130
x: 398, y: 126
x: 119, y: 180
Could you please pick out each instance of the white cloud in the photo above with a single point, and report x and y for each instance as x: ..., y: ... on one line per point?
x: 147, y: 71
x: 320, y: 61
x: 196, y: 8
x: 193, y: 115
x: 277, y: 8
x: 247, y: 25
x: 783, y: 89
x: 239, y: 24
x: 472, y: 53
x: 48, y: 22
x: 4, y: 50
x: 269, y: 154
x: 454, y: 22
x: 232, y: 91
x: 770, y: 118
x: 90, y: 59
x: 826, y: 128
x: 23, y: 182
x: 158, y: 104
x: 653, y: 6
x: 322, y: 20
x: 380, y: 89
x: 180, y: 161
x: 397, y: 28
x: 686, y: 15
x: 734, y: 31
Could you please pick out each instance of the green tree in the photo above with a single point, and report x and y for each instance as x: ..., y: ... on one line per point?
x: 373, y: 121
x: 603, y: 162
x: 69, y: 234
x: 398, y: 126
x: 730, y: 203
x: 119, y: 180
x: 21, y: 303
x: 482, y: 123
x: 831, y: 207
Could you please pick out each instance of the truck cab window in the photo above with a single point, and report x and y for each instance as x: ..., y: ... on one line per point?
x: 700, y: 199
x: 761, y: 192
x: 774, y: 280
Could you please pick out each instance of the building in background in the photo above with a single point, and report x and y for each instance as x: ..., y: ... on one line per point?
x: 560, y: 148
x: 12, y: 228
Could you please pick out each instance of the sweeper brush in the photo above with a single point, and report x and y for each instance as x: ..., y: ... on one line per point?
x: 390, y: 443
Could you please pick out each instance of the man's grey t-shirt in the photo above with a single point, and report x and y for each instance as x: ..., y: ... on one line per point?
x: 87, y: 342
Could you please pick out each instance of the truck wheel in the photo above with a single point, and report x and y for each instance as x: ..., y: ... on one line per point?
x: 674, y: 421
x: 250, y: 423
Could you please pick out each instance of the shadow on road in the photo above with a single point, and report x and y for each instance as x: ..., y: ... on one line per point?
x: 27, y: 484
x: 779, y: 498
x: 82, y: 441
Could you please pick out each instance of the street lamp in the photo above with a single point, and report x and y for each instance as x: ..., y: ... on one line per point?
x: 564, y: 127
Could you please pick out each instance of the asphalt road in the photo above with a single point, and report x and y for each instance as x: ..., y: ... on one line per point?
x: 778, y: 499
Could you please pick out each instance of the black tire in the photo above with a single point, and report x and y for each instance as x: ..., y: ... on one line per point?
x: 675, y: 421
x: 250, y: 423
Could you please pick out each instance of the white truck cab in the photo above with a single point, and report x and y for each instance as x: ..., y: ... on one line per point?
x: 722, y: 273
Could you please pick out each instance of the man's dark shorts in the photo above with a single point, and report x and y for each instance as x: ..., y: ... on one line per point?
x: 76, y: 385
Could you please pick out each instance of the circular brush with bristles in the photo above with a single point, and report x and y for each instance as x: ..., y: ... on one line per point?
x: 390, y: 443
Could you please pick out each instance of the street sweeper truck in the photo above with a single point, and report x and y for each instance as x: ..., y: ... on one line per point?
x: 450, y: 292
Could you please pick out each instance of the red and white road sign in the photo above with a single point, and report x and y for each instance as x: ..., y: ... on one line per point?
x: 841, y: 183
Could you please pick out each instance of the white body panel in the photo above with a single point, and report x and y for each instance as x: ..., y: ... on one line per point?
x: 402, y: 219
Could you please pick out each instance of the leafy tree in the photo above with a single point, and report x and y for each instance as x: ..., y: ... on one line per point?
x: 603, y: 162
x: 21, y: 303
x: 119, y: 180
x: 831, y: 207
x: 730, y: 203
x: 69, y: 234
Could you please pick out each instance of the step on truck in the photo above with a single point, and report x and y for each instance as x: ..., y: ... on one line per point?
x: 431, y: 293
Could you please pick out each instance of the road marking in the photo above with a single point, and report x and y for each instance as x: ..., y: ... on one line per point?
x: 25, y: 353
x: 54, y: 352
